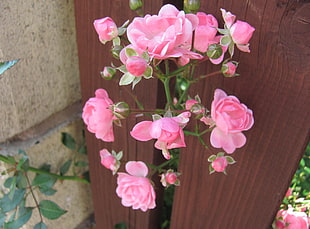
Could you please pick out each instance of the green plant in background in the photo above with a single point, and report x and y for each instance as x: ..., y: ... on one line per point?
x: 15, y: 210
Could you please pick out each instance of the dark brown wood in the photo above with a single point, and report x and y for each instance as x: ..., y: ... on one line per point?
x: 275, y: 84
x: 93, y: 56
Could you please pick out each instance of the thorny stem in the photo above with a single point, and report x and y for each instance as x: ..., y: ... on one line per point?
x: 210, y: 74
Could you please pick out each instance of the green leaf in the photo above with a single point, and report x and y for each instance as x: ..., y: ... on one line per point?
x: 21, y: 180
x: 68, y: 141
x: 211, y: 158
x: 120, y: 226
x: 21, y: 220
x: 47, y: 191
x: 44, y: 180
x: 50, y: 210
x: 135, y: 81
x: 231, y: 49
x: 12, y: 188
x: 7, y: 204
x: 230, y: 160
x: 211, y: 169
x: 148, y: 72
x: 130, y: 52
x: 23, y: 163
x: 7, y: 183
x: 82, y: 150
x: 65, y: 167
x: 81, y: 163
x: 6, y: 65
x: 225, y: 40
x: 116, y: 41
x: 223, y: 31
x: 122, y: 68
x: 126, y: 79
x: 40, y: 225
x: 2, y: 219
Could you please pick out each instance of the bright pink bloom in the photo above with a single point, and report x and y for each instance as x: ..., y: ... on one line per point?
x: 98, y: 117
x: 228, y: 17
x: 136, y: 65
x: 293, y: 220
x: 108, y: 160
x: 165, y: 35
x: 167, y: 131
x: 241, y: 32
x: 231, y: 117
x: 205, y: 31
x: 230, y: 69
x: 106, y: 29
x: 219, y: 164
x: 134, y: 188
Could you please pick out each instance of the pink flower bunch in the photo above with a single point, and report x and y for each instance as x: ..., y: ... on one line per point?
x: 135, y: 188
x: 231, y: 118
x: 167, y: 130
x: 290, y: 219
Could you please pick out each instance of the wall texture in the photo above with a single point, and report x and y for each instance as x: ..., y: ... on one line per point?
x: 46, y: 79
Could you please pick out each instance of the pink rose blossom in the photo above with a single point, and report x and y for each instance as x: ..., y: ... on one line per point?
x: 205, y: 31
x: 136, y: 65
x: 168, y: 34
x: 98, y: 117
x: 167, y: 131
x: 241, y: 32
x: 291, y: 219
x: 231, y: 117
x: 134, y: 188
x: 189, y: 103
x: 108, y: 160
x: 219, y: 164
x: 106, y: 29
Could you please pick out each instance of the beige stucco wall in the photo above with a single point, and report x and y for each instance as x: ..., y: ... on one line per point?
x: 46, y: 79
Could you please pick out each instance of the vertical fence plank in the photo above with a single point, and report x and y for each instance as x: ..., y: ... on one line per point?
x: 274, y: 82
x: 93, y: 56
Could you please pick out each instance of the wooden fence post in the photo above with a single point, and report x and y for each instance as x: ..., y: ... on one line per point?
x: 93, y: 56
x: 275, y: 83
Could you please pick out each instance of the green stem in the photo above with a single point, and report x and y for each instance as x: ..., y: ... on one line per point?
x: 167, y: 92
x: 40, y: 171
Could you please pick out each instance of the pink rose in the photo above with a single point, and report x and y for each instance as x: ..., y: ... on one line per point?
x: 241, y: 32
x: 134, y: 188
x: 167, y: 131
x: 189, y: 103
x: 109, y: 161
x: 231, y: 117
x: 106, y: 29
x: 168, y: 34
x: 219, y: 164
x: 98, y: 117
x: 136, y: 65
x: 291, y: 219
x: 205, y: 32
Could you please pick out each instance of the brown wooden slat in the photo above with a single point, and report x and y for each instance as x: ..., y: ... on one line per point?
x: 274, y: 82
x: 93, y: 56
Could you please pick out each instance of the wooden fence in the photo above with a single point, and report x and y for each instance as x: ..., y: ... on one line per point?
x: 274, y: 83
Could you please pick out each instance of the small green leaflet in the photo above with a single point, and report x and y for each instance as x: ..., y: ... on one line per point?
x: 6, y: 65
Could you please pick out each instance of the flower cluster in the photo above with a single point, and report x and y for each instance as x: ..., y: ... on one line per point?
x: 147, y: 47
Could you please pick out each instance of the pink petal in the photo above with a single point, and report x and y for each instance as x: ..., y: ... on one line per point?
x: 168, y: 10
x: 137, y: 168
x: 141, y: 131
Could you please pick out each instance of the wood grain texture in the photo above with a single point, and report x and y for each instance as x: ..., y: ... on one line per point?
x: 93, y: 56
x: 275, y: 84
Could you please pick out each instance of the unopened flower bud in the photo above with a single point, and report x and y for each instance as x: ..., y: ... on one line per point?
x: 170, y: 178
x: 197, y: 109
x: 191, y: 6
x: 108, y: 73
x: 121, y: 110
x: 135, y: 4
x: 219, y: 164
x: 136, y: 65
x: 229, y: 69
x: 214, y: 51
